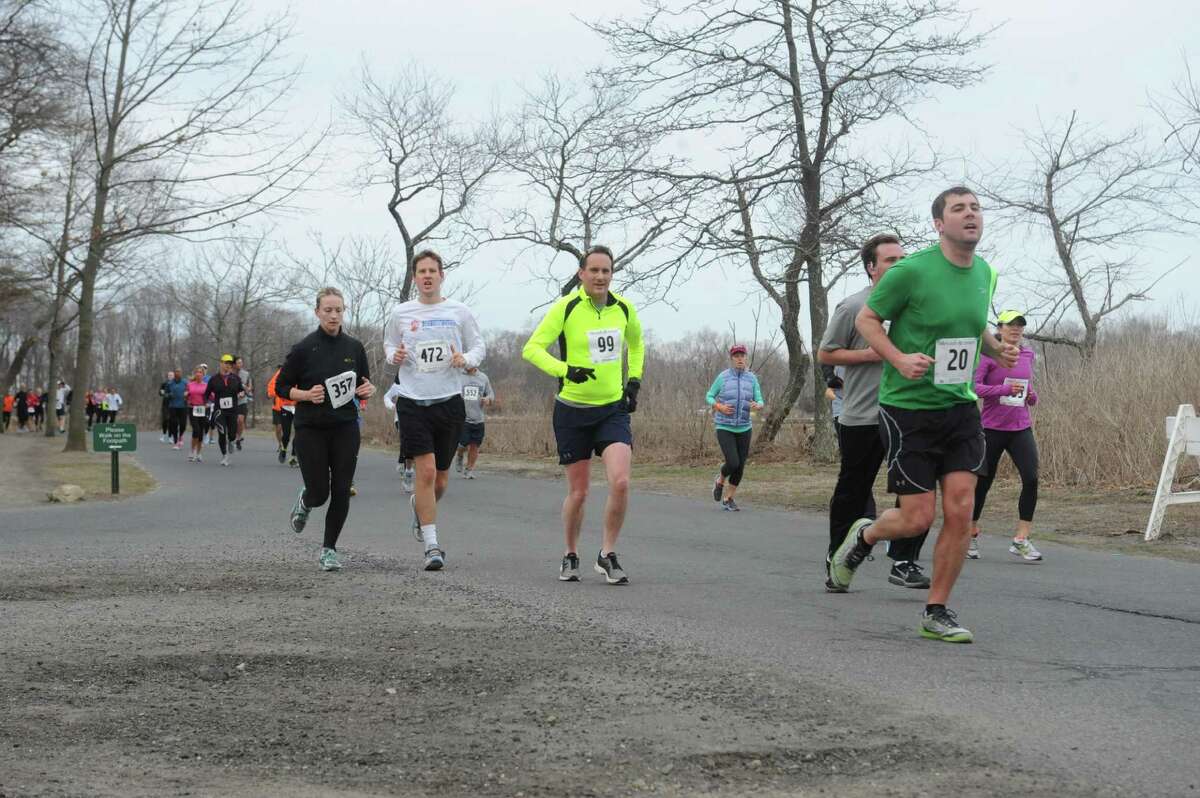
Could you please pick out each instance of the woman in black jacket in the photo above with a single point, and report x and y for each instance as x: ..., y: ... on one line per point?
x: 325, y: 373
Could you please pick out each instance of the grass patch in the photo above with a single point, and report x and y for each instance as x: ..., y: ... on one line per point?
x: 92, y: 472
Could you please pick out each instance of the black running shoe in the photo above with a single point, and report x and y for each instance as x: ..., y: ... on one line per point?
x: 908, y: 574
x: 239, y: 444
x: 611, y: 569
x: 282, y: 456
x: 718, y: 488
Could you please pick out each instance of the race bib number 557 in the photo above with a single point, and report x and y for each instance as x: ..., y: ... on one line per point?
x: 954, y: 360
x: 340, y: 388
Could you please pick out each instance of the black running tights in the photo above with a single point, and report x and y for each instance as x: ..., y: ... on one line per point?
x: 1022, y: 448
x: 735, y: 447
x: 328, y: 456
x: 285, y: 426
x: 226, y: 424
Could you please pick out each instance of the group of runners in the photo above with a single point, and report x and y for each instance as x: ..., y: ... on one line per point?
x: 908, y: 358
x: 28, y: 409
x: 911, y: 353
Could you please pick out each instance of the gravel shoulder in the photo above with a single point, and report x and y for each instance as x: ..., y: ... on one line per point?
x: 170, y: 676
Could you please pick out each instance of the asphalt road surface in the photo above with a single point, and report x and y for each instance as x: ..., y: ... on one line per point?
x: 184, y: 643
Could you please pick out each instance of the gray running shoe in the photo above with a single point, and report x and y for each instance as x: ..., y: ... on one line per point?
x: 611, y: 569
x: 468, y: 474
x: 225, y: 460
x: 329, y: 560
x: 718, y: 487
x: 942, y: 624
x: 569, y: 572
x: 458, y: 463
x: 973, y: 548
x: 1025, y: 550
x: 730, y: 506
x: 407, y: 480
x: 849, y: 555
x: 299, y: 513
x: 435, y: 559
x: 416, y: 527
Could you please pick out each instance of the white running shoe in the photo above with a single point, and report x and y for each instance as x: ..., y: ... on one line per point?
x: 225, y: 460
x: 469, y: 474
x: 1025, y: 550
x: 407, y: 480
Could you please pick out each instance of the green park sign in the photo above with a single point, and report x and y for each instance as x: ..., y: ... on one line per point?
x: 114, y: 438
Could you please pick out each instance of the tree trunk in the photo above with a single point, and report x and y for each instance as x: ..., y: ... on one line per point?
x: 824, y: 443
x: 18, y: 362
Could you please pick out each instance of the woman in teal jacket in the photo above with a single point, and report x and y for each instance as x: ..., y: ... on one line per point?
x: 733, y: 395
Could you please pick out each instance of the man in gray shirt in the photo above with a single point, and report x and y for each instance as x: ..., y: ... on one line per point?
x: 862, y: 448
x: 477, y: 394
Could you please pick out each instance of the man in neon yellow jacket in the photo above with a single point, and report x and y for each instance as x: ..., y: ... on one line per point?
x: 593, y: 328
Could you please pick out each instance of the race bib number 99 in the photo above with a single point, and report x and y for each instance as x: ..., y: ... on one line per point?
x: 433, y: 356
x: 954, y: 360
x: 604, y: 346
x: 339, y: 389
x: 226, y: 402
x: 199, y: 411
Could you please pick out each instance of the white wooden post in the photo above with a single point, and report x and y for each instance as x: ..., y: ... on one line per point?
x: 1183, y: 438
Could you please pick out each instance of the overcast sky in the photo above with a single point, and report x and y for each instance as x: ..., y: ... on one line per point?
x: 1099, y: 57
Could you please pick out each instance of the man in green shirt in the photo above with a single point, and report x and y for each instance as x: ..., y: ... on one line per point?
x: 593, y: 328
x: 937, y: 300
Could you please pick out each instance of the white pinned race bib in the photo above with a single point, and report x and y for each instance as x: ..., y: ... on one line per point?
x: 471, y: 393
x: 954, y: 360
x: 1019, y: 399
x: 199, y: 411
x: 226, y: 402
x: 604, y: 346
x: 432, y: 356
x: 339, y: 389
x: 289, y: 408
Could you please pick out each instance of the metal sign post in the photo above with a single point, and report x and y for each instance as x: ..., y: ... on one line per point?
x: 115, y: 438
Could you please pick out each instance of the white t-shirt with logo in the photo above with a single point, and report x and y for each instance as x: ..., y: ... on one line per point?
x: 431, y: 334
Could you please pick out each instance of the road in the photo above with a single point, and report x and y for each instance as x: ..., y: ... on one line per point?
x: 722, y: 669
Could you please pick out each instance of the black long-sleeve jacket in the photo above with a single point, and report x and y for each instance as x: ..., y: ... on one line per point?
x: 315, y: 359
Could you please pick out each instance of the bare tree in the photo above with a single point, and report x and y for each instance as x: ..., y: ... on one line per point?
x: 433, y: 167
x: 1180, y: 110
x: 793, y: 86
x: 594, y: 175
x: 184, y: 108
x: 1093, y: 198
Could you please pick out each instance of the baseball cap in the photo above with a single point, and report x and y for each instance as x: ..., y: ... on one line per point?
x: 1010, y: 316
x: 737, y: 349
x: 226, y: 358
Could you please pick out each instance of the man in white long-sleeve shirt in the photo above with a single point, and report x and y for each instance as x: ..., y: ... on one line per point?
x: 432, y: 339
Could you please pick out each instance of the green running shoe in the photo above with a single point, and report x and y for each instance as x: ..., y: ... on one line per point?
x: 329, y: 560
x: 849, y: 555
x: 299, y: 514
x: 942, y: 624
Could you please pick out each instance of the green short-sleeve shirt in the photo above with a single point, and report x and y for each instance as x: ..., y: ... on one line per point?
x: 940, y: 309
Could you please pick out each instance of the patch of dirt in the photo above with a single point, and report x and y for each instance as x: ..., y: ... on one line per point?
x: 265, y: 678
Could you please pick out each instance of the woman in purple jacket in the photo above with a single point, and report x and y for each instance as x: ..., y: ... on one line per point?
x: 1007, y: 395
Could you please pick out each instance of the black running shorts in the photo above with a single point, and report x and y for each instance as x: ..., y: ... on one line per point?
x: 431, y: 429
x: 471, y: 434
x: 924, y: 445
x: 580, y: 431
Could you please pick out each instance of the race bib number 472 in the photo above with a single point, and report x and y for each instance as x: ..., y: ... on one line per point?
x: 433, y: 356
x: 604, y: 346
x: 954, y: 360
x: 339, y: 389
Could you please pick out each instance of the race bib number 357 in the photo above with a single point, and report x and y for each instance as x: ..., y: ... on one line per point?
x: 604, y: 346
x: 339, y: 389
x: 954, y: 360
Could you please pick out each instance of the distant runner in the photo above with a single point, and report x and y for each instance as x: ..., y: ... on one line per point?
x: 734, y: 394
x: 477, y: 394
x: 223, y: 392
x: 195, y: 392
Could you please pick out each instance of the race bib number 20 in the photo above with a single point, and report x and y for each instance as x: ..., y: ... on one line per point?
x: 954, y: 360
x: 604, y: 346
x: 339, y: 389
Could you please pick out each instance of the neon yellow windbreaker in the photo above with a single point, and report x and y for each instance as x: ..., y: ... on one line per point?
x: 589, y: 339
